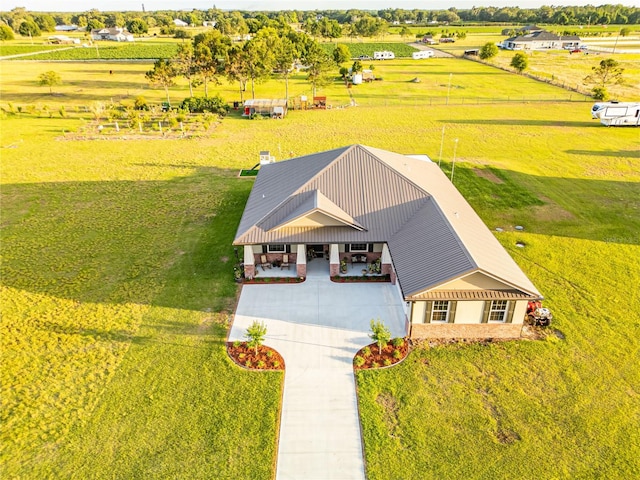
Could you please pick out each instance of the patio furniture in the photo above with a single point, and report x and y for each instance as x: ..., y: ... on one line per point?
x: 263, y: 262
x: 285, y: 261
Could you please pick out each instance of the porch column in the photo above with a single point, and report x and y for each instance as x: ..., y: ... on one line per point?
x: 334, y: 260
x: 301, y: 260
x: 385, y: 260
x: 249, y: 262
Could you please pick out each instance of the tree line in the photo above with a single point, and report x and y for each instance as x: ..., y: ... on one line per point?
x: 212, y: 56
x: 326, y: 23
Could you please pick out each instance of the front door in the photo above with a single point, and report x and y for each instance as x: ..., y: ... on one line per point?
x: 316, y: 251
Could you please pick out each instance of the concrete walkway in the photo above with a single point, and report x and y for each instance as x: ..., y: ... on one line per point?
x: 318, y: 326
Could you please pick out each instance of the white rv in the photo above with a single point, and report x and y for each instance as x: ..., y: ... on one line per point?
x: 383, y: 55
x: 617, y: 113
x: 422, y: 54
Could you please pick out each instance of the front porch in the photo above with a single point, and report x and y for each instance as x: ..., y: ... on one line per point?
x: 333, y: 260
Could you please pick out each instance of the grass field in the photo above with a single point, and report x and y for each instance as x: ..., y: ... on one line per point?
x: 117, y: 287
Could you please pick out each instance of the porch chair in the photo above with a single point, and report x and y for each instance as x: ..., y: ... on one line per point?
x: 263, y: 262
x: 285, y: 262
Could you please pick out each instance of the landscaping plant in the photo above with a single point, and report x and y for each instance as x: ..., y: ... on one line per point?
x: 380, y: 334
x: 255, y: 335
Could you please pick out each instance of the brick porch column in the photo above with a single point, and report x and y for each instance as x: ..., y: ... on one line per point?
x: 334, y: 260
x: 301, y: 260
x: 249, y: 262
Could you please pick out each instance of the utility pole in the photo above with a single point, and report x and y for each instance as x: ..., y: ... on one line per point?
x: 453, y: 165
x: 449, y: 89
x: 441, y: 143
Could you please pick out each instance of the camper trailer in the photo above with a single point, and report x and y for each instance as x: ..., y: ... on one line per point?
x: 383, y: 55
x: 617, y: 113
x: 422, y: 54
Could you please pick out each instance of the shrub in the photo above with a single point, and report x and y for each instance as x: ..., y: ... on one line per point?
x: 397, y: 354
x: 140, y: 103
x: 181, y: 33
x: 237, y: 343
x: 520, y: 62
x: 398, y: 342
x: 260, y: 364
x: 374, y: 365
x: 488, y: 51
x: 269, y: 354
x: 242, y: 355
x: 276, y: 364
x: 387, y: 362
x: 247, y: 364
x: 600, y: 93
x: 366, y: 352
x: 358, y: 361
x: 205, y: 104
x: 6, y: 33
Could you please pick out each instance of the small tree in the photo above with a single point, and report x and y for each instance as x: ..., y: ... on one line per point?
x: 625, y: 32
x: 380, y: 334
x: 488, y: 51
x: 356, y: 67
x: 608, y: 72
x: 600, y: 93
x: 163, y: 75
x: 29, y: 28
x: 520, y: 62
x: 49, y: 79
x: 137, y: 26
x: 405, y: 32
x: 6, y: 33
x: 255, y: 334
x: 341, y: 54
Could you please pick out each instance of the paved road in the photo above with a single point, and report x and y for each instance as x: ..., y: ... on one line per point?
x: 318, y: 326
x: 436, y: 53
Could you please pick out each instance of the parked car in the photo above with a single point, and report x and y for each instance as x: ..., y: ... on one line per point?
x: 364, y: 57
x: 447, y: 40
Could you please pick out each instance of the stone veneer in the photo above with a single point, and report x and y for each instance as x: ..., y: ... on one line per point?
x: 466, y: 330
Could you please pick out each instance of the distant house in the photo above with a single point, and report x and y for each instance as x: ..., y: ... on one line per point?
x: 115, y: 34
x: 542, y: 40
x: 62, y: 40
x: 401, y: 214
x: 66, y: 28
x: 180, y: 23
x: 209, y: 23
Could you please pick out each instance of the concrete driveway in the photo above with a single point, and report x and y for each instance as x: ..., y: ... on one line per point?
x: 318, y: 326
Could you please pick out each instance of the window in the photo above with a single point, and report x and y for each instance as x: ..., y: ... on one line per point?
x: 279, y: 248
x: 440, y: 311
x: 498, y: 311
x: 358, y: 247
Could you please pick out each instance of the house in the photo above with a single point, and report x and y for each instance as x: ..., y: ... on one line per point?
x: 180, y: 23
x: 66, y: 28
x: 541, y: 40
x: 359, y: 204
x: 521, y: 30
x: 116, y: 34
x: 274, y: 108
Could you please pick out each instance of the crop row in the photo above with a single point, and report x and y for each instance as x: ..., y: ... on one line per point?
x: 6, y: 50
x: 127, y: 51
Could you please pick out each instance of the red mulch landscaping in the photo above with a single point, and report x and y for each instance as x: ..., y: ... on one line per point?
x: 273, y: 280
x: 376, y: 360
x: 246, y: 357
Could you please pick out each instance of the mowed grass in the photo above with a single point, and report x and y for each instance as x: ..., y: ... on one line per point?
x: 117, y: 268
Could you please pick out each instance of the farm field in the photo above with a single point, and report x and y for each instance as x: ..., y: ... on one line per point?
x: 117, y: 285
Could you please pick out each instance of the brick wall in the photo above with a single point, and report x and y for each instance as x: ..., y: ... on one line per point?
x: 458, y: 330
x: 249, y: 271
x: 301, y: 269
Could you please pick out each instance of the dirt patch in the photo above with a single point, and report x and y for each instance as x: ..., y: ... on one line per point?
x: 507, y: 437
x: 266, y: 358
x: 551, y: 211
x: 390, y: 406
x: 488, y: 175
x: 371, y: 357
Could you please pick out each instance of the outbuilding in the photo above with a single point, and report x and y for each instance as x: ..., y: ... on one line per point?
x: 274, y: 108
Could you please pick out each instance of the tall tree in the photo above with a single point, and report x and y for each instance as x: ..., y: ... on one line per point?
x: 341, y: 54
x: 29, y: 28
x: 284, y: 54
x: 607, y: 72
x: 185, y: 63
x: 211, y: 50
x: 236, y: 68
x: 260, y: 61
x: 163, y: 75
x: 320, y: 64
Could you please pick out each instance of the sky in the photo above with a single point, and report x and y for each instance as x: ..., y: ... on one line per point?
x: 150, y: 5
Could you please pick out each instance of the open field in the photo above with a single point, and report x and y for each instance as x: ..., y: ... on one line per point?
x: 117, y: 285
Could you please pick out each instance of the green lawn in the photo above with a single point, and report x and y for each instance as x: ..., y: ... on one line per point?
x: 117, y: 286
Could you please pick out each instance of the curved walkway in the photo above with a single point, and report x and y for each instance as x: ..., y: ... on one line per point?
x: 318, y: 326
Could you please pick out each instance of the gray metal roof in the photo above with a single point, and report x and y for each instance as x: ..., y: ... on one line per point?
x: 433, y: 234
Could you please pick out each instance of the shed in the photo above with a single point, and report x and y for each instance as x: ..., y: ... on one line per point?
x: 276, y: 108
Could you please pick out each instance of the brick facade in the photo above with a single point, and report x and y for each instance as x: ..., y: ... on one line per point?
x: 249, y: 271
x: 301, y: 270
x: 465, y: 330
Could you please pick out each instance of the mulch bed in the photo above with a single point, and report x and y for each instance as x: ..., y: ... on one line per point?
x: 377, y: 360
x: 272, y: 280
x: 266, y: 359
x: 361, y: 278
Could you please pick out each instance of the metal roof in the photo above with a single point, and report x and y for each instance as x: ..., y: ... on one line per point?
x: 432, y: 232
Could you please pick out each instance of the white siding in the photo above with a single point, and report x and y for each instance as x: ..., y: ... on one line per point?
x: 417, y: 314
x: 469, y: 312
x: 520, y: 311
